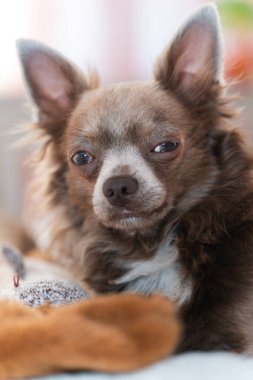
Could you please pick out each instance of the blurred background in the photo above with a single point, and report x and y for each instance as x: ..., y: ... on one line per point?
x: 121, y: 39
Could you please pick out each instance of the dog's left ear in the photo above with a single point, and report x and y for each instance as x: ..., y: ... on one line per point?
x: 193, y: 62
x: 54, y: 83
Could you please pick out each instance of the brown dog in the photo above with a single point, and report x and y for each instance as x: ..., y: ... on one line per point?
x: 143, y: 187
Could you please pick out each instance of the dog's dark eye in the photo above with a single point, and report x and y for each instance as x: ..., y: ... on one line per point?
x: 164, y: 147
x: 82, y: 158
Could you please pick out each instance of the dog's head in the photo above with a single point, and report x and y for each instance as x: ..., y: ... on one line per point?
x: 132, y: 153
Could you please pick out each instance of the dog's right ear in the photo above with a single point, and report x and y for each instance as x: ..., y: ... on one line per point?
x: 54, y: 83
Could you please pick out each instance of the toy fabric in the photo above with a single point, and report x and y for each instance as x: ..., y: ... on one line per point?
x: 34, y: 281
x: 110, y: 333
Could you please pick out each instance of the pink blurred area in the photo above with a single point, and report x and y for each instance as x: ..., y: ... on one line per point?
x: 120, y: 38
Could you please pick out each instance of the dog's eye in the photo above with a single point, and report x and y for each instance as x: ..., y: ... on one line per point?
x: 82, y: 158
x: 164, y: 147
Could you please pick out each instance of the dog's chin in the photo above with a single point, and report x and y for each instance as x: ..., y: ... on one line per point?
x: 131, y: 220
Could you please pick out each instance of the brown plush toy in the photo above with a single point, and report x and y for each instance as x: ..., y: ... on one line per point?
x: 110, y: 333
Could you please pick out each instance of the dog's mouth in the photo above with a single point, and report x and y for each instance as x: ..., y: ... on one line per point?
x: 125, y: 213
x: 123, y: 217
x: 134, y: 218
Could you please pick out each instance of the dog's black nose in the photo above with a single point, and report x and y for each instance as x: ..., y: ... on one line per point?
x: 118, y: 190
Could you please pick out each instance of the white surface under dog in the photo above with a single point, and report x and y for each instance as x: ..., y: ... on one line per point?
x: 192, y: 366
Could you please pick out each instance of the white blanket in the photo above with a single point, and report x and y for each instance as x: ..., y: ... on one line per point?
x: 193, y: 366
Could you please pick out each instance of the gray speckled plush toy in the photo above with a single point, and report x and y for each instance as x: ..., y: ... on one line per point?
x: 35, y: 282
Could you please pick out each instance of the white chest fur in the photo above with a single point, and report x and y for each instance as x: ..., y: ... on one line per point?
x: 162, y: 274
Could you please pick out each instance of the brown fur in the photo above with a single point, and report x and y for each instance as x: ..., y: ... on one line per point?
x: 205, y: 186
x: 14, y: 232
x: 114, y: 333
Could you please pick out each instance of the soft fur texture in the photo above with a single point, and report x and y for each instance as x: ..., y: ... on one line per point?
x: 20, y: 238
x: 114, y: 333
x: 192, y: 205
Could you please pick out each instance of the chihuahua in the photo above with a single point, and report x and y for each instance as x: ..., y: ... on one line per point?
x: 145, y: 187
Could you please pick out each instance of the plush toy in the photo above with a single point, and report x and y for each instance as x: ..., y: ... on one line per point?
x: 34, y: 281
x: 111, y: 333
